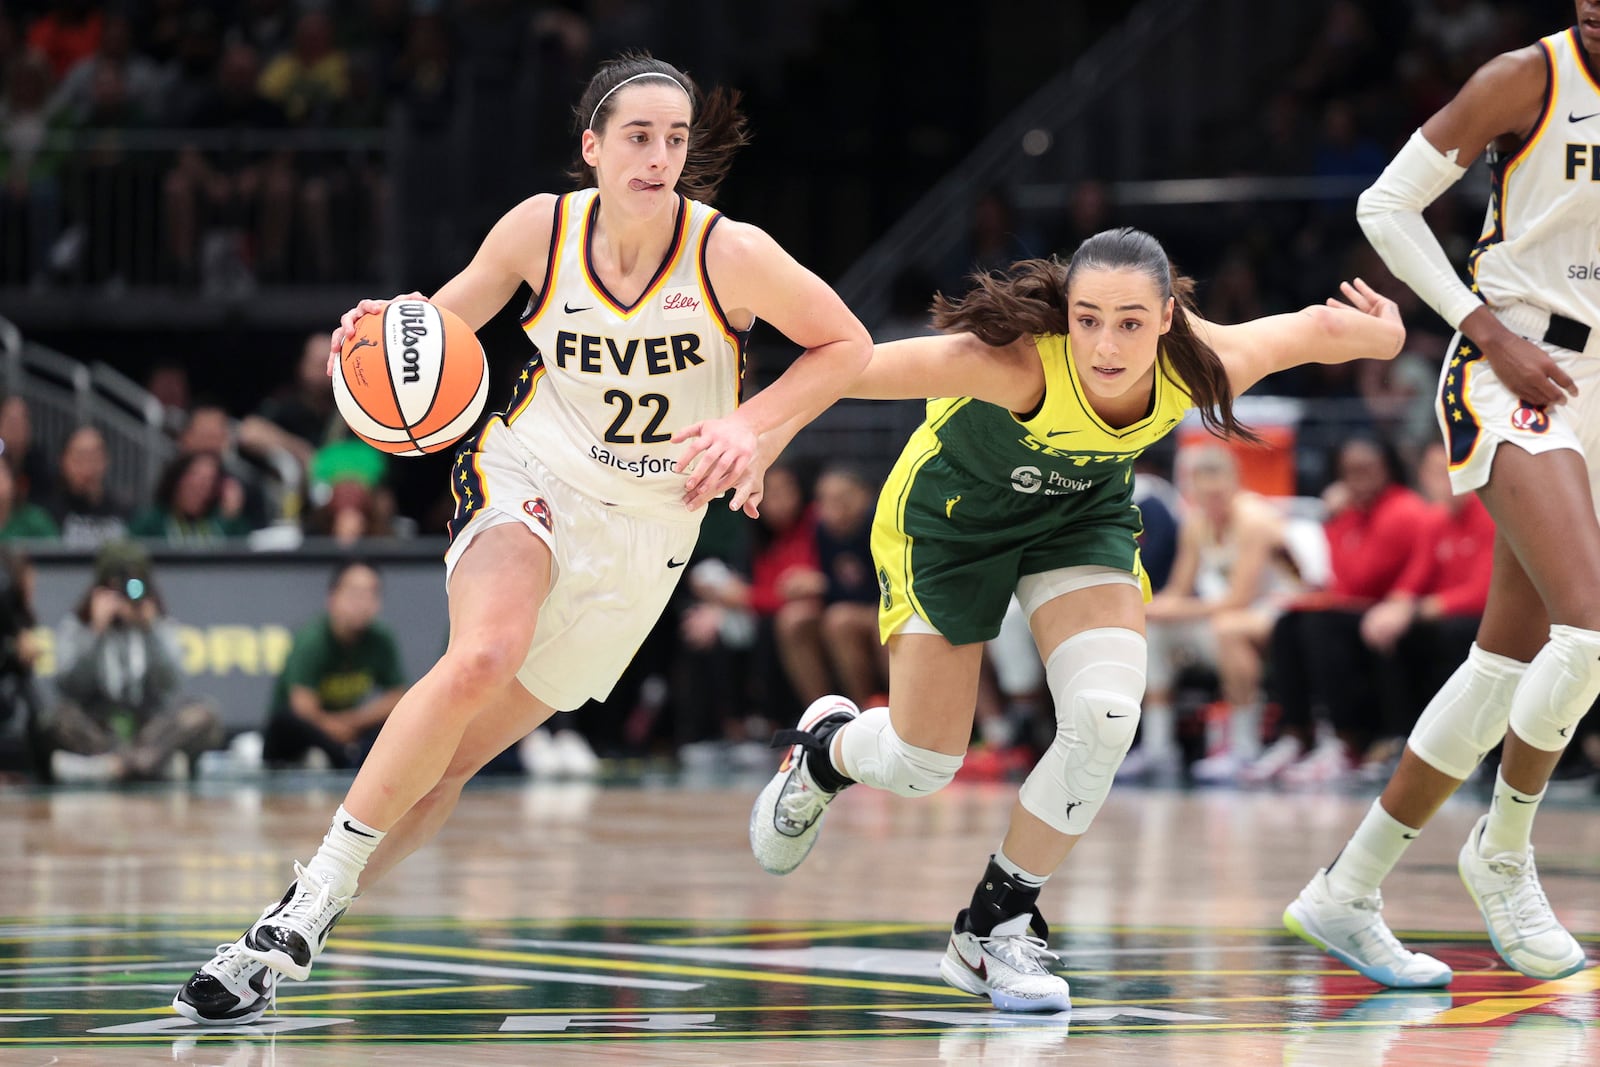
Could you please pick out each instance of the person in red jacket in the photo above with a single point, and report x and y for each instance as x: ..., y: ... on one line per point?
x: 1318, y: 664
x: 1426, y: 625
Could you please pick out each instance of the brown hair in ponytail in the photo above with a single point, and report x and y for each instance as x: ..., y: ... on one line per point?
x: 717, y: 130
x: 1031, y: 298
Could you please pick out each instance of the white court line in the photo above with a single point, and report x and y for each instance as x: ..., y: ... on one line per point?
x: 159, y: 986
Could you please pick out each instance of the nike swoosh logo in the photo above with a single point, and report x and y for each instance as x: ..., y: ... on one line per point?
x: 1114, y: 715
x: 1409, y: 837
x: 981, y: 970
x: 673, y: 564
x: 1563, y: 731
x: 1058, y: 433
x: 1581, y: 118
x: 358, y: 833
x: 570, y: 310
x: 1519, y: 800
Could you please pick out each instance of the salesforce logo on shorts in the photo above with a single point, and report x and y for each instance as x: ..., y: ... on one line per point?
x: 637, y: 467
x: 1031, y: 479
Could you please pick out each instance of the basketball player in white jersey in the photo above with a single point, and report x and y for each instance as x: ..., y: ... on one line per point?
x: 1519, y: 402
x: 578, y: 504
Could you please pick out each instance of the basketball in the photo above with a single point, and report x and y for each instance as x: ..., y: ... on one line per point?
x: 412, y: 379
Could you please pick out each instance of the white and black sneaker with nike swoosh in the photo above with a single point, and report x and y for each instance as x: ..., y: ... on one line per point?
x: 229, y: 989
x: 1007, y: 966
x: 292, y: 934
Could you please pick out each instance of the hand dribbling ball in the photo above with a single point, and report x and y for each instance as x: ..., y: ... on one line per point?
x: 411, y: 379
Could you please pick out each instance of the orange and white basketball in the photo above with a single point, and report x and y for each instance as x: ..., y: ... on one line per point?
x: 412, y: 379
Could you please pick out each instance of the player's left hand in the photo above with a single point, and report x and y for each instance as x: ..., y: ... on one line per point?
x: 717, y: 458
x: 1359, y: 296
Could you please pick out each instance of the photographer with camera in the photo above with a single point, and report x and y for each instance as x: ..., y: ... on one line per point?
x: 120, y: 715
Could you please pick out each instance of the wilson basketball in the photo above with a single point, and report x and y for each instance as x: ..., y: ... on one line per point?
x: 412, y: 379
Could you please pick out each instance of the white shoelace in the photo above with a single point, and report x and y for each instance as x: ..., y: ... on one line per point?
x: 231, y: 962
x: 1024, y: 952
x: 801, y: 805
x: 1377, y: 934
x: 1525, y: 901
x: 312, y: 904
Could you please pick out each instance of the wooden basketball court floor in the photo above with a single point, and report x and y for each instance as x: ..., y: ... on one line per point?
x: 629, y: 925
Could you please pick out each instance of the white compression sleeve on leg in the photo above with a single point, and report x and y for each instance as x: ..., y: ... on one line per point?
x: 870, y: 751
x: 1390, y: 213
x: 1096, y: 679
x: 1561, y: 683
x: 1467, y: 717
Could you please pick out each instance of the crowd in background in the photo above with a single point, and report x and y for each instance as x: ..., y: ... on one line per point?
x: 1296, y: 634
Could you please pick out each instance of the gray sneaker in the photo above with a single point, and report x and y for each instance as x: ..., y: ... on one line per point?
x: 788, y: 813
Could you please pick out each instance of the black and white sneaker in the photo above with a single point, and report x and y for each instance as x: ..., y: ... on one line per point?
x: 230, y: 989
x: 788, y: 813
x: 290, y: 935
x: 1007, y: 966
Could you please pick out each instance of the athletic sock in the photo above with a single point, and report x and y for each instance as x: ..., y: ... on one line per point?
x: 1026, y: 879
x: 344, y: 852
x: 1244, y: 731
x: 1510, y: 825
x: 1370, y: 855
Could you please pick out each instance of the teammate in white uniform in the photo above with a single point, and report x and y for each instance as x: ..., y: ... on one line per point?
x: 1519, y: 403
x: 578, y: 504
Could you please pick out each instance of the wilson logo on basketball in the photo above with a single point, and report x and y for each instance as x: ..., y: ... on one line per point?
x: 1531, y: 419
x: 539, y: 510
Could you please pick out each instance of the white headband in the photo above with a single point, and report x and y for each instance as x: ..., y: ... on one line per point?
x: 625, y: 81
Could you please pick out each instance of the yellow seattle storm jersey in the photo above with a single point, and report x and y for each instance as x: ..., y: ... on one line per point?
x: 1062, y: 449
x: 610, y: 382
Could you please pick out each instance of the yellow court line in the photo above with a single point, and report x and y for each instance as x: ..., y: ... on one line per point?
x: 373, y: 994
x: 1586, y: 981
x: 1483, y: 1011
x: 820, y: 933
x: 634, y: 966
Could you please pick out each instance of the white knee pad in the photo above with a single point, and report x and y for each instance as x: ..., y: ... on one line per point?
x: 1561, y: 683
x: 1467, y: 717
x: 1097, y: 680
x: 873, y: 754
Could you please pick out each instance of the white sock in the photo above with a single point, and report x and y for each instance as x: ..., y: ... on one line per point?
x: 1510, y: 825
x: 1156, y: 730
x: 1026, y: 879
x: 1370, y: 855
x: 344, y: 852
x: 1244, y: 731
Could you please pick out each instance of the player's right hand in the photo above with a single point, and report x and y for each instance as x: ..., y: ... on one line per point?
x: 1528, y: 371
x: 347, y: 323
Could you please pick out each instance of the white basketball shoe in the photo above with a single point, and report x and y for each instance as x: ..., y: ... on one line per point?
x: 1521, y: 925
x: 788, y: 813
x: 1007, y: 966
x: 1354, y: 933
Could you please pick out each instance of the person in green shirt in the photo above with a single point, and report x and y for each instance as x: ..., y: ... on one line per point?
x: 18, y: 518
x: 342, y: 677
x: 196, y: 500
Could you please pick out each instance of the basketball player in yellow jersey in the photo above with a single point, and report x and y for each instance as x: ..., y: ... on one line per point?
x: 578, y: 504
x: 1022, y: 482
x: 1519, y: 403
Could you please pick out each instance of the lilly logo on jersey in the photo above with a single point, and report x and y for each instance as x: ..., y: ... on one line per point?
x: 1531, y: 419
x: 680, y: 303
x: 661, y: 355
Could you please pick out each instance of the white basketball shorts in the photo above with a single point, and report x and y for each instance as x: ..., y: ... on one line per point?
x: 614, y: 568
x: 1477, y: 413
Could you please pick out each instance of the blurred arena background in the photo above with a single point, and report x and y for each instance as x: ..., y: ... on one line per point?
x: 192, y: 192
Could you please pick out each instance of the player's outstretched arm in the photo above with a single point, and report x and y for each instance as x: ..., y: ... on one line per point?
x: 754, y: 277
x: 1367, y: 327
x: 953, y: 364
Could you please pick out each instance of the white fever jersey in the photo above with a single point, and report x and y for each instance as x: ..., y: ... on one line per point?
x: 609, y: 383
x: 1541, y: 241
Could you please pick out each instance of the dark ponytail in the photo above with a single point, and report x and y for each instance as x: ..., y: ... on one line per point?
x: 1031, y: 298
x: 717, y: 130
